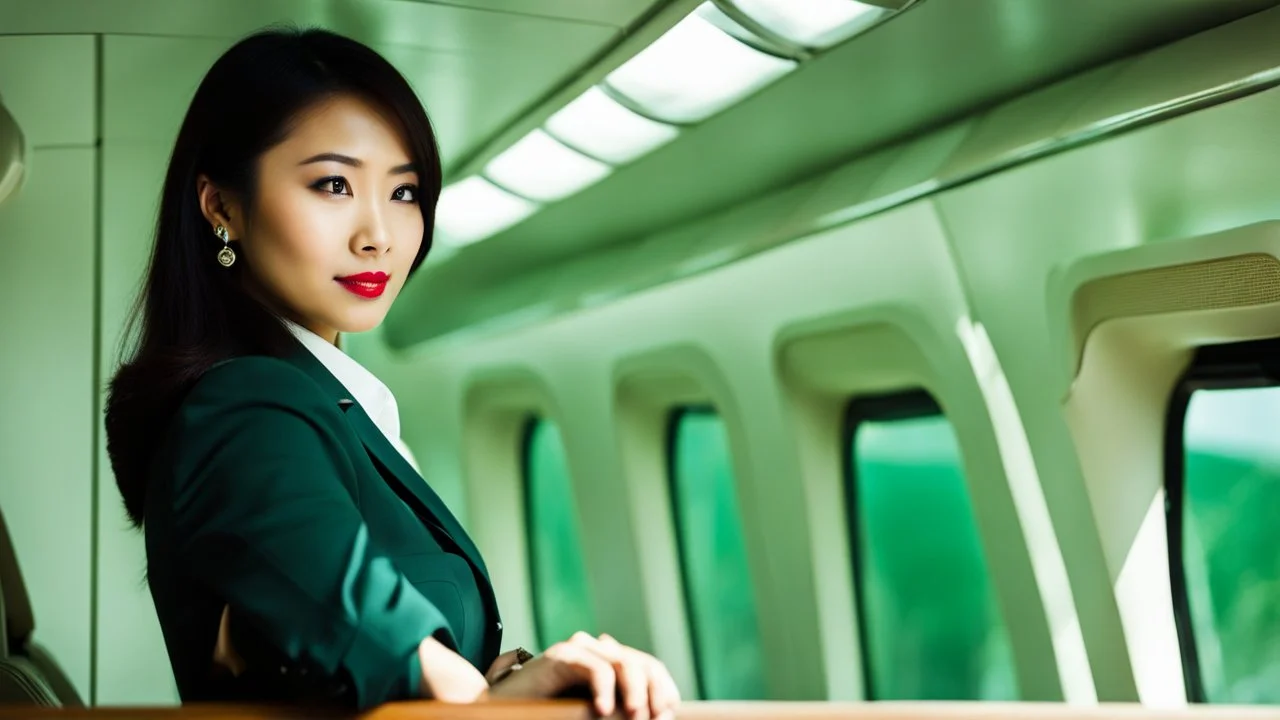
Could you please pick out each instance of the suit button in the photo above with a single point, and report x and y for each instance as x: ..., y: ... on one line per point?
x: 499, y: 627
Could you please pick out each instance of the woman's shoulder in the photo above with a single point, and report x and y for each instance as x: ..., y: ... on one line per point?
x: 257, y: 404
x: 254, y: 380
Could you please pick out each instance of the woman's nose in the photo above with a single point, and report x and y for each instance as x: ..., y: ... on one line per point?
x: 373, y: 236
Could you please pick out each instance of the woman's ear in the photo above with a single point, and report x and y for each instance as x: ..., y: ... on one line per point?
x: 219, y: 208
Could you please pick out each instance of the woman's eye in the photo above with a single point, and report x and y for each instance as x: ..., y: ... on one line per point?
x: 406, y: 193
x: 333, y: 186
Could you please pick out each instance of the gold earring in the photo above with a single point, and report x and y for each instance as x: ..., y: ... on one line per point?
x: 226, y: 256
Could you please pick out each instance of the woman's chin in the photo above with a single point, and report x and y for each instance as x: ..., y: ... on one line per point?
x: 357, y: 328
x: 361, y: 322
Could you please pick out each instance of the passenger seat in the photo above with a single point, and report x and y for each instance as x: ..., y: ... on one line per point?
x: 28, y: 674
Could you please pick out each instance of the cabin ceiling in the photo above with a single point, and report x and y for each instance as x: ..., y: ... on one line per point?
x: 615, y: 13
x: 477, y: 64
x: 484, y: 68
x: 938, y: 61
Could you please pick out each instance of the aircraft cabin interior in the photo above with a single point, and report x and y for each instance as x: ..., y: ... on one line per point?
x: 854, y: 358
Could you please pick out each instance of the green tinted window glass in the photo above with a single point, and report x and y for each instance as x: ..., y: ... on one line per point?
x: 714, y: 559
x: 561, y: 598
x: 932, y: 627
x: 1231, y: 541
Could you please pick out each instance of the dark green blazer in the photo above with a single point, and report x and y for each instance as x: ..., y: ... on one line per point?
x: 274, y: 494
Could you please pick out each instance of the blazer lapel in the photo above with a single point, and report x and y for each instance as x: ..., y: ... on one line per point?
x: 396, y: 469
x: 403, y: 474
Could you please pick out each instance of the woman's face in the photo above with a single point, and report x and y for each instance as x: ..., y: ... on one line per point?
x: 336, y: 223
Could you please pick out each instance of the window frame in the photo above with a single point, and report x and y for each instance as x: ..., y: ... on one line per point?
x: 900, y: 405
x: 527, y: 429
x: 1227, y: 366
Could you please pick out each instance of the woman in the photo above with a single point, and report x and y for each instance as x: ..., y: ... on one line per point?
x: 293, y: 552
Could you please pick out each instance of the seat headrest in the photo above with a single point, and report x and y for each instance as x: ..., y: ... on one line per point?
x: 15, y: 607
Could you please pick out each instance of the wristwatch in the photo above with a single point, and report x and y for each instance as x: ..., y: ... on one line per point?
x: 522, y: 656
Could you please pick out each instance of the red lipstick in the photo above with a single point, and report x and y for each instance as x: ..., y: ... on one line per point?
x: 366, y: 284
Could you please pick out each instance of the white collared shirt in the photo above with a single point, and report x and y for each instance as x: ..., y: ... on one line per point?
x: 374, y: 397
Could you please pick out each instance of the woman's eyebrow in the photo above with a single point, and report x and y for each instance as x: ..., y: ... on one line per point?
x: 333, y: 157
x: 353, y: 162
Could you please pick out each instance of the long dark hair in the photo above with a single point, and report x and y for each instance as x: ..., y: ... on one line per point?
x: 191, y: 312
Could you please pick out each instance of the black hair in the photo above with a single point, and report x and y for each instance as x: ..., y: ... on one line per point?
x: 192, y: 312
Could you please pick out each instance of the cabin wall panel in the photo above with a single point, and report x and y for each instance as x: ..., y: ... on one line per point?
x: 884, y: 349
x: 585, y: 420
x: 733, y: 315
x: 645, y: 388
x: 133, y: 668
x: 1012, y: 242
x: 147, y: 83
x: 1018, y: 235
x: 48, y: 83
x: 47, y: 382
x: 49, y: 234
x: 495, y: 411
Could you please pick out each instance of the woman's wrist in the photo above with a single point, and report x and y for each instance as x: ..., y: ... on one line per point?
x: 447, y: 676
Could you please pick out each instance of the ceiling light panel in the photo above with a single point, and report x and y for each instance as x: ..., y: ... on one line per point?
x: 694, y: 71
x: 813, y: 23
x: 597, y: 125
x: 542, y: 168
x: 475, y: 208
x: 717, y: 17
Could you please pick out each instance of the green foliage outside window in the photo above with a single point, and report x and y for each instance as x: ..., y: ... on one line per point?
x: 1231, y: 541
x: 561, y: 594
x: 722, y: 612
x: 931, y: 622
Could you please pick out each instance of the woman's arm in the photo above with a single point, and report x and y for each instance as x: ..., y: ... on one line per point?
x: 264, y: 519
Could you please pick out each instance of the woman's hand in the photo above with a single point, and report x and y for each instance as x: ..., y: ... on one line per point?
x: 611, y: 670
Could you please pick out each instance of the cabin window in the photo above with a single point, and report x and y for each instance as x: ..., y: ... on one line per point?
x: 1222, y: 478
x: 561, y: 594
x: 718, y: 589
x: 930, y: 622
